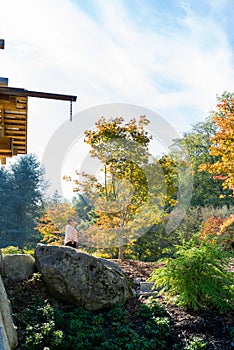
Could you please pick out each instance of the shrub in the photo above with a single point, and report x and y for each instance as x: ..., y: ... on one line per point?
x: 196, y: 343
x: 151, y: 308
x: 197, y: 278
x: 16, y: 250
x: 79, y: 329
x: 219, y: 231
x: 212, y: 225
x: 227, y: 232
x: 41, y: 328
x: 11, y: 250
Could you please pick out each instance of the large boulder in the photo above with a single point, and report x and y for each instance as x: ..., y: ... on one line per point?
x: 17, y: 267
x: 81, y: 279
x: 8, y: 333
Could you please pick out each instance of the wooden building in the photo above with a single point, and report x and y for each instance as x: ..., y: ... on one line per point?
x: 14, y: 116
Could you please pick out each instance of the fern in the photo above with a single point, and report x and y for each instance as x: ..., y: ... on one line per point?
x: 197, y: 278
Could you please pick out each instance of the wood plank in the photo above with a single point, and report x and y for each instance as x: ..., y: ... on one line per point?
x: 15, y: 128
x: 21, y: 103
x: 21, y: 152
x: 14, y: 121
x: 15, y: 111
x: 19, y: 146
x: 20, y: 142
x: 5, y: 152
x: 20, y: 149
x: 14, y: 133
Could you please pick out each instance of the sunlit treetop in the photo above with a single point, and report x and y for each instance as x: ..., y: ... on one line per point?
x: 223, y: 142
x: 107, y: 130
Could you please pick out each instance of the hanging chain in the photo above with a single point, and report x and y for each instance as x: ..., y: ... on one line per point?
x: 70, y: 111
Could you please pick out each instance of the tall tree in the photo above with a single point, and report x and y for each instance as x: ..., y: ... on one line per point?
x: 131, y: 196
x: 222, y: 143
x: 206, y: 191
x: 83, y: 207
x: 24, y: 188
x: 5, y: 193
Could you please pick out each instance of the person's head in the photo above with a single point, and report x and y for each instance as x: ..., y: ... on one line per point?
x: 70, y: 221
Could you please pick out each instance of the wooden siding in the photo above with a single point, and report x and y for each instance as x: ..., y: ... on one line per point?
x: 13, y: 123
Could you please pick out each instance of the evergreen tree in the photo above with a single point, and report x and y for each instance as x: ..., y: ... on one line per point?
x: 22, y: 186
x: 5, y: 192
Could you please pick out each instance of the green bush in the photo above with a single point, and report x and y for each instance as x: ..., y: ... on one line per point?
x: 151, y: 308
x: 52, y: 328
x: 196, y: 343
x: 16, y: 250
x: 197, y: 278
x: 41, y: 328
x: 11, y: 250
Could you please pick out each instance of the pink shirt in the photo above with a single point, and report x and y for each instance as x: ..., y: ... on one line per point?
x: 70, y: 234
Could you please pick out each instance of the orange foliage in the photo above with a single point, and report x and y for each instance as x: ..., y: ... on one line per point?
x: 219, y: 230
x: 52, y: 224
x: 223, y: 143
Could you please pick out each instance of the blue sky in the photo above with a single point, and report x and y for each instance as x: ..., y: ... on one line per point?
x: 170, y: 56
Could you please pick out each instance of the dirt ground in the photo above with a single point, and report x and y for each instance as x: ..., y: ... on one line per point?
x: 209, y: 325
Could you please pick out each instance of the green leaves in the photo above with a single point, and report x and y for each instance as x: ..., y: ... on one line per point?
x: 206, y: 190
x: 63, y: 329
x: 22, y: 188
x: 130, y: 192
x: 197, y: 277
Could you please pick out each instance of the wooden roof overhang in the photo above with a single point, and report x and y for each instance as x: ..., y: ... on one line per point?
x: 13, y: 118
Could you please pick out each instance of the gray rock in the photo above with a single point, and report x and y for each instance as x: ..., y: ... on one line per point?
x: 81, y: 279
x: 8, y: 333
x: 147, y: 286
x: 18, y: 267
x: 113, y: 265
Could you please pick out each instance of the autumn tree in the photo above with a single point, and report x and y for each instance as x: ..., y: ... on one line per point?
x: 219, y: 230
x: 52, y: 224
x: 222, y: 145
x: 129, y: 195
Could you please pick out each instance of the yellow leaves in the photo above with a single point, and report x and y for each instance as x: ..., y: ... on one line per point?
x: 67, y: 178
x: 52, y: 224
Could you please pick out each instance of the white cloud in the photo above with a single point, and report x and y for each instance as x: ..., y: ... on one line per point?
x: 54, y: 46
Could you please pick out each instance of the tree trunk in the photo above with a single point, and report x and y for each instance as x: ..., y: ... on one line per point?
x: 120, y: 257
